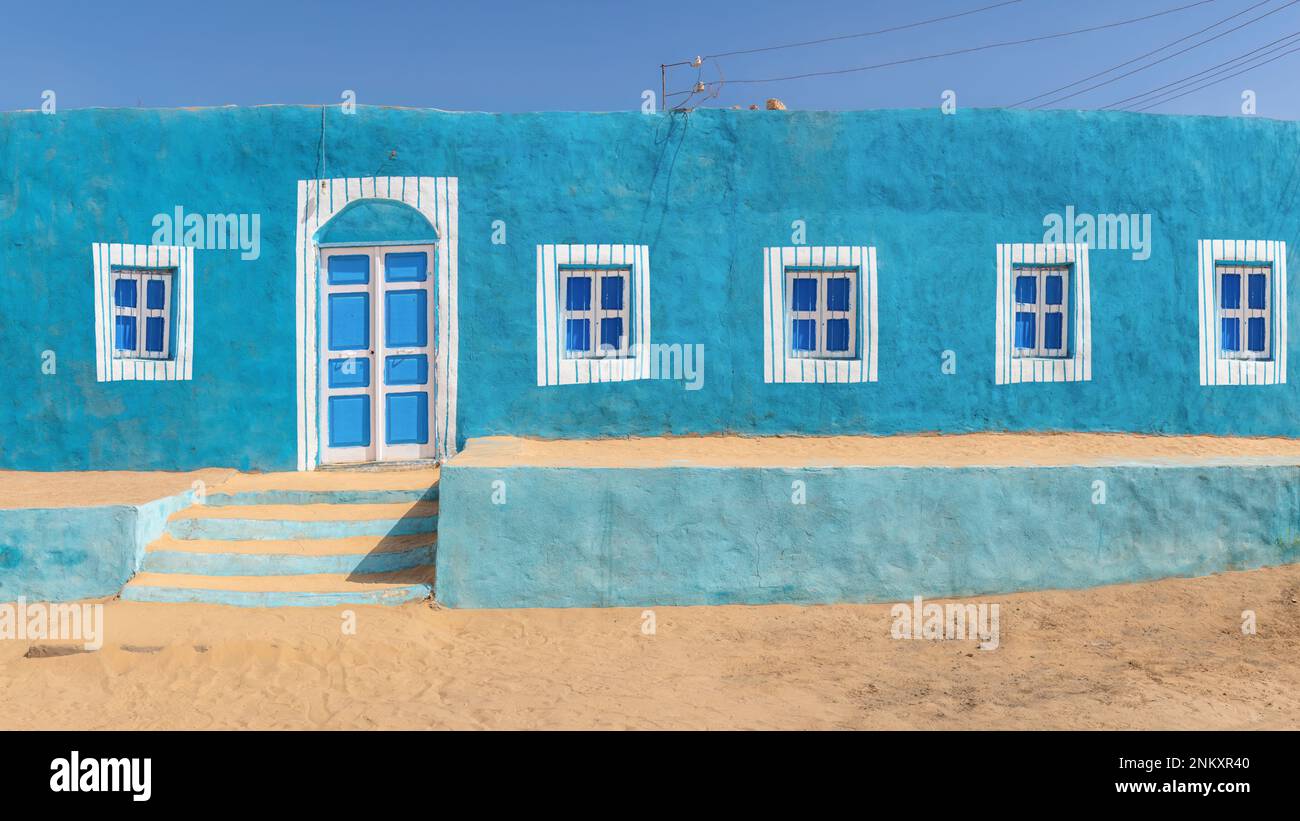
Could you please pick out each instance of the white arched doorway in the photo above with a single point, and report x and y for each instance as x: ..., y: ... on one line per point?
x: 319, y: 201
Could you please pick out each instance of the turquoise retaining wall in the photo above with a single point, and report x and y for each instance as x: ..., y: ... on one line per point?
x: 706, y: 193
x: 576, y: 537
x: 63, y: 554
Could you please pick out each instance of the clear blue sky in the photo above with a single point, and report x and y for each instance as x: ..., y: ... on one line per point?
x: 509, y: 55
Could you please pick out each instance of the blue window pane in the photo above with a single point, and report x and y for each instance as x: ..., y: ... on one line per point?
x: 577, y: 335
x: 124, y: 333
x: 153, y: 334
x: 411, y: 369
x: 352, y: 372
x: 837, y: 294
x: 805, y: 295
x: 1053, y: 331
x: 1255, y: 333
x: 1054, y: 289
x: 1026, y: 330
x: 406, y: 267
x: 577, y: 295
x: 803, y: 335
x: 611, y: 293
x: 1230, y: 336
x: 155, y: 294
x: 1230, y: 292
x: 408, y: 418
x: 1027, y: 290
x: 837, y: 334
x: 1255, y: 291
x: 353, y: 269
x: 611, y: 332
x: 349, y: 321
x: 124, y: 293
x: 406, y: 319
x: 349, y: 421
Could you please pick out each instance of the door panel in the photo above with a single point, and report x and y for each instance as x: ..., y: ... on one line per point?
x: 408, y: 352
x: 376, y: 388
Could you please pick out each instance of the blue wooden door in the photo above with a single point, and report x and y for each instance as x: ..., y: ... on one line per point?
x: 377, y: 354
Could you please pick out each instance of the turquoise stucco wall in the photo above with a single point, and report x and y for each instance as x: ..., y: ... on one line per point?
x: 64, y: 554
x: 584, y: 537
x: 705, y: 192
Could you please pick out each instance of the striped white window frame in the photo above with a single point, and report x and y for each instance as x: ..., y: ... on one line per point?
x: 174, y: 265
x: 1216, y: 257
x: 555, y: 264
x: 781, y: 265
x: 1073, y: 363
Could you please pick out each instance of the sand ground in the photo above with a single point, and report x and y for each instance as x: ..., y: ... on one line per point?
x: 1168, y: 654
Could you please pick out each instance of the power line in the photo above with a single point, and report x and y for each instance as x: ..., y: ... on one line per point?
x: 1139, y: 57
x: 1238, y: 59
x: 1167, y: 56
x: 1220, y: 80
x: 972, y: 49
x: 889, y: 30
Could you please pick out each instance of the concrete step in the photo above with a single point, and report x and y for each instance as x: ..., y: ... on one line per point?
x: 310, y: 521
x: 317, y: 590
x: 276, y: 557
x: 327, y: 487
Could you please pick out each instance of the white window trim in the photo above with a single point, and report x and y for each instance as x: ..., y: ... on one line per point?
x: 779, y: 365
x: 553, y: 367
x: 1040, y: 309
x: 596, y: 312
x: 1216, y: 366
x: 176, y: 364
x: 823, y: 313
x: 1011, y: 367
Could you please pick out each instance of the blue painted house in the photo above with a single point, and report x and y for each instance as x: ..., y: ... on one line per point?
x: 289, y: 288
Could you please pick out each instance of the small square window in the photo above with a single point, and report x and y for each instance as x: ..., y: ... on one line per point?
x: 595, y: 328
x: 1042, y: 305
x: 142, y: 331
x: 822, y: 313
x: 1244, y: 318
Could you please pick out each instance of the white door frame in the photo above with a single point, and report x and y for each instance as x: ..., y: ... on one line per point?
x: 436, y: 198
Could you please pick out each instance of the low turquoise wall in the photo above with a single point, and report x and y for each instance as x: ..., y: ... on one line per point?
x: 576, y: 537
x: 64, y: 554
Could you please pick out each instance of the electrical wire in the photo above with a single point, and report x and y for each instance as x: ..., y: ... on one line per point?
x: 972, y: 49
x: 1220, y: 80
x: 889, y: 30
x: 1168, y: 56
x: 1139, y: 57
x: 1190, y: 77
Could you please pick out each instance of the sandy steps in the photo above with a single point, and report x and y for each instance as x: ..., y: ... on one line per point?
x: 299, y: 539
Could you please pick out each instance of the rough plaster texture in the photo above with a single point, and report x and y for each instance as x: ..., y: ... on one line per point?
x: 706, y: 193
x: 62, y: 554
x: 584, y: 537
